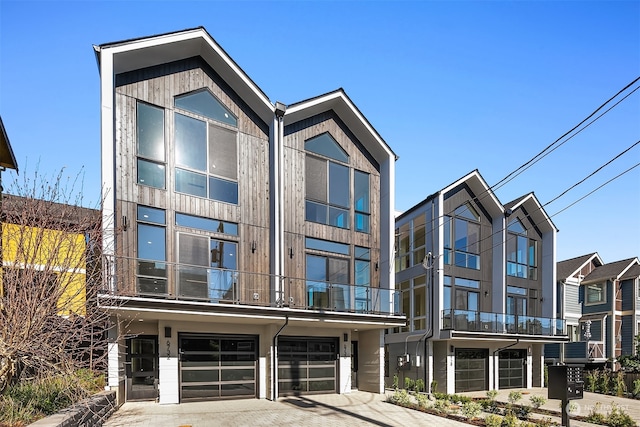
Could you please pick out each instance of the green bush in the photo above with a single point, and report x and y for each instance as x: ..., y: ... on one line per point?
x: 400, y: 397
x: 591, y: 380
x: 509, y: 420
x: 596, y: 417
x: 492, y: 420
x: 395, y: 382
x: 408, y: 383
x: 419, y: 385
x: 434, y: 386
x: 457, y: 398
x: 422, y: 399
x: 636, y: 388
x: 619, y: 387
x: 28, y: 401
x: 514, y: 397
x: 471, y: 410
x: 618, y: 418
x: 442, y: 406
x: 537, y: 401
x: 491, y: 394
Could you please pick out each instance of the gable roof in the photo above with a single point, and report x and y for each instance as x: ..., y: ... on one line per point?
x: 7, y: 158
x: 341, y: 104
x: 613, y: 270
x: 134, y: 54
x: 571, y: 267
x: 631, y: 273
x: 534, y: 209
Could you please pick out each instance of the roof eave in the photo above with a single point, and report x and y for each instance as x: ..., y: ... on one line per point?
x: 7, y: 157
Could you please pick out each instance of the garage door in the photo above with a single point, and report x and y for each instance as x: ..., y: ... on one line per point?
x: 471, y: 369
x: 511, y: 364
x: 306, y: 365
x: 215, y: 366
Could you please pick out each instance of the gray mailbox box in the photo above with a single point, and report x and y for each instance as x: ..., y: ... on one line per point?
x: 566, y: 382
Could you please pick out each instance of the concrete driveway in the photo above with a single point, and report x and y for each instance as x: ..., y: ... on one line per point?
x: 356, y: 409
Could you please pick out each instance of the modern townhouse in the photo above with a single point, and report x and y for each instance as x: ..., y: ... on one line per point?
x: 478, y: 287
x: 602, y: 305
x: 251, y: 242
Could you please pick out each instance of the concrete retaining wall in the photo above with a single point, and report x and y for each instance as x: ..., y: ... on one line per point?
x: 92, y: 412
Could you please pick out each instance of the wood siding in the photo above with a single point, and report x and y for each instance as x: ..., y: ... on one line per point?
x: 296, y: 228
x: 158, y: 86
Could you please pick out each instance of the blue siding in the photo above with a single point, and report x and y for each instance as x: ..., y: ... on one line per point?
x: 627, y: 295
x: 626, y: 331
x: 597, y: 308
x: 596, y: 331
x: 552, y: 350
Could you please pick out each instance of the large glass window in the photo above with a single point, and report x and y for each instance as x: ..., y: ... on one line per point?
x: 362, y: 201
x: 462, y: 238
x: 327, y: 192
x: 522, y: 252
x: 206, y: 158
x: 461, y: 303
x: 596, y: 293
x: 203, y: 103
x: 410, y: 243
x: 150, y: 145
x: 419, y: 303
x: 362, y: 275
x: 152, y: 251
x: 328, y: 275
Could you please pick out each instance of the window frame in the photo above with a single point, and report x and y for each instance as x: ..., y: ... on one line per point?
x: 603, y: 287
x: 451, y: 226
x: 149, y: 159
x: 160, y: 225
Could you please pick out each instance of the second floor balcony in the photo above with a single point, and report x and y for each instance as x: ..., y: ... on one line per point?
x: 181, y: 282
x: 500, y: 323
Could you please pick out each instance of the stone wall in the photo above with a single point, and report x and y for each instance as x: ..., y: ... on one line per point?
x: 88, y: 413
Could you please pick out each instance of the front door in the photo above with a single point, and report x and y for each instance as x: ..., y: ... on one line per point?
x: 142, y: 368
x: 354, y: 364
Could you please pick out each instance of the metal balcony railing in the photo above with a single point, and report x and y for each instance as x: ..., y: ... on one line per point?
x: 165, y: 280
x: 499, y: 323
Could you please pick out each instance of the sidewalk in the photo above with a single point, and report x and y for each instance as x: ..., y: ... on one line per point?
x: 585, y: 405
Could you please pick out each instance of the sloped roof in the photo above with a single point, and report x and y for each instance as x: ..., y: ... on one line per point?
x: 534, y: 209
x: 632, y: 273
x: 341, y: 104
x: 569, y: 267
x: 7, y: 158
x: 613, y: 270
x: 134, y: 54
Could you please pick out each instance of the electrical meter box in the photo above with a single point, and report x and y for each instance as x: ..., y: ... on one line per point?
x: 404, y: 362
x: 565, y: 382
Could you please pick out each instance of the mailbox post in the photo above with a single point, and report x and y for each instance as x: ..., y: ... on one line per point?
x: 565, y: 383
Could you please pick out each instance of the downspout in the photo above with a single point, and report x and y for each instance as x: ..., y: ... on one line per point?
x: 274, y: 361
x: 429, y: 333
x: 494, y: 359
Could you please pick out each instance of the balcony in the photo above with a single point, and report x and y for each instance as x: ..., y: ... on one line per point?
x: 180, y: 282
x: 500, y: 323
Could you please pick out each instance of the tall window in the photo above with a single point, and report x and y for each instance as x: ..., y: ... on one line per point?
x: 362, y: 201
x: 462, y: 238
x: 405, y: 290
x: 522, y: 252
x: 327, y: 275
x: 150, y: 145
x: 362, y: 273
x: 410, y: 243
x: 328, y: 185
x: 206, y: 154
x: 461, y: 302
x: 419, y: 303
x: 207, y: 264
x: 152, y: 251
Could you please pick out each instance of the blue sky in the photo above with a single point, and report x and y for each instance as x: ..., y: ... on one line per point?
x: 451, y: 86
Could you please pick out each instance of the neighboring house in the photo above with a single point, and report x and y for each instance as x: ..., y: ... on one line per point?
x: 478, y: 288
x: 252, y: 241
x: 602, y: 305
x: 45, y: 243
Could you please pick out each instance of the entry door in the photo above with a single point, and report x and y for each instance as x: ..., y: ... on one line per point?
x: 354, y: 364
x: 511, y: 368
x: 142, y: 368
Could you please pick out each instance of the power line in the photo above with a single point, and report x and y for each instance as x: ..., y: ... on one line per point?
x: 590, y: 175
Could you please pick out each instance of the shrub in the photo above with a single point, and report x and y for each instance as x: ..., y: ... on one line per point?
x: 537, y: 401
x: 434, y: 386
x: 509, y: 420
x: 591, y: 380
x: 619, y: 387
x: 596, y: 417
x: 514, y: 397
x: 395, y: 382
x: 423, y: 400
x: 523, y: 412
x: 400, y: 397
x: 492, y: 420
x: 471, y: 410
x: 442, y: 406
x: 491, y: 394
x: 604, y: 381
x: 618, y: 418
x: 490, y: 406
x: 419, y: 385
x: 636, y: 388
x: 408, y: 383
x: 545, y: 422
